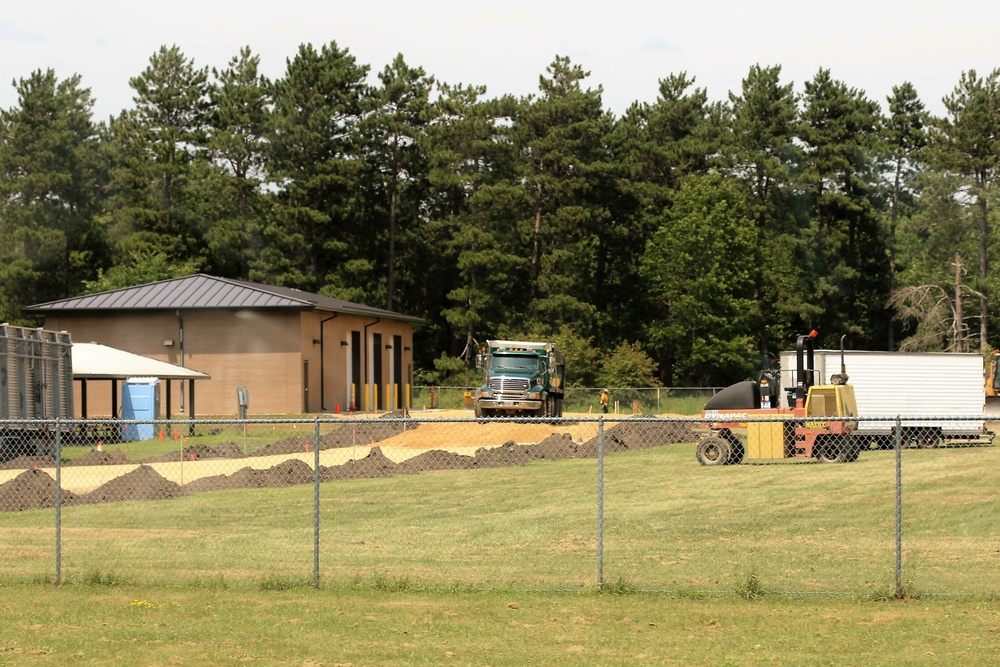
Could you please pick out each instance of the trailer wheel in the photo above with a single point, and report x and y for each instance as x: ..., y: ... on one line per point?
x: 713, y: 451
x: 927, y: 438
x: 832, y: 450
x: 885, y: 442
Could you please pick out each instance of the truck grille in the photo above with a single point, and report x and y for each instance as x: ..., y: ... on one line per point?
x: 508, y: 388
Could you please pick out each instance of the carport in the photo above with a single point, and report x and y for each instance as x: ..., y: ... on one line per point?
x: 93, y: 361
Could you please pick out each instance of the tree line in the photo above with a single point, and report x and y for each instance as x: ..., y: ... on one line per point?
x: 685, y: 242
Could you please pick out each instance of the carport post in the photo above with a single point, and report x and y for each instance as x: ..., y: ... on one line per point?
x: 169, y: 408
x: 191, y: 406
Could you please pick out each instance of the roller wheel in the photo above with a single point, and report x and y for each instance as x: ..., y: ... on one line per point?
x: 832, y: 450
x: 713, y: 451
x: 737, y: 451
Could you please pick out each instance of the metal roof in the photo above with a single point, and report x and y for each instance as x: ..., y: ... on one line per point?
x: 201, y: 291
x: 93, y: 361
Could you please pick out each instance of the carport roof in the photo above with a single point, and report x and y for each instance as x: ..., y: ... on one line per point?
x: 204, y: 292
x: 93, y: 361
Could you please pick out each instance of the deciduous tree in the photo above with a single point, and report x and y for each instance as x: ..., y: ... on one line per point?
x: 699, y: 277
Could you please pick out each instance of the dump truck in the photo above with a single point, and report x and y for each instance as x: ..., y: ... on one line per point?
x: 36, y: 383
x: 521, y: 379
x: 747, y: 421
x: 930, y: 389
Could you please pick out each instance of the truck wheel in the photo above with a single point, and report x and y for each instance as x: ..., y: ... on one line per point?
x: 713, y: 451
x: 559, y: 408
x: 549, y: 407
x: 478, y: 410
x: 832, y: 450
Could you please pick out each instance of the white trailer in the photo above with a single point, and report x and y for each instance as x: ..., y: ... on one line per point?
x: 933, y: 386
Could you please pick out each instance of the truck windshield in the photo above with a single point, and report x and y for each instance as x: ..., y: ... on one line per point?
x: 514, y: 363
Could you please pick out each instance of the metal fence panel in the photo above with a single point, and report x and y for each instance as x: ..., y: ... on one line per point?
x: 563, y: 504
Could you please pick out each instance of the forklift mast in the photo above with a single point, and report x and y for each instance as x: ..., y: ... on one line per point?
x: 805, y: 370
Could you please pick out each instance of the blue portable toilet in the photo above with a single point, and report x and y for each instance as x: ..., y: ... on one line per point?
x: 140, y: 401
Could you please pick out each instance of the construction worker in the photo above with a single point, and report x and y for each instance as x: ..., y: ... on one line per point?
x: 604, y: 401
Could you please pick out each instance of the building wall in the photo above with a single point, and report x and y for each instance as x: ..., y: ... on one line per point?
x: 330, y: 354
x: 290, y: 362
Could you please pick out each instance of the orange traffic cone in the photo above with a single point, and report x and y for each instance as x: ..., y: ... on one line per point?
x: 100, y: 446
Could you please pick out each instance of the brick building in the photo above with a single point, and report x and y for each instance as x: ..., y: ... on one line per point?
x: 294, y: 352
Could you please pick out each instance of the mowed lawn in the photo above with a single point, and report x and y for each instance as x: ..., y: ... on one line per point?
x: 146, y: 626
x: 743, y: 565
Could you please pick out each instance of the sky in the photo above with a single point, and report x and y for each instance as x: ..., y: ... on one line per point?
x: 627, y: 46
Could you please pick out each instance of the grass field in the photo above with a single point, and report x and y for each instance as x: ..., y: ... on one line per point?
x: 147, y: 626
x: 744, y: 565
x: 669, y: 526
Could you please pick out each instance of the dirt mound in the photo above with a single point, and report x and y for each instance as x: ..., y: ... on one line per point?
x: 225, y: 450
x: 556, y: 446
x: 96, y: 458
x: 290, y: 473
x: 437, y: 460
x: 645, y: 434
x: 215, y: 483
x: 639, y: 435
x: 374, y: 465
x: 28, y: 463
x: 32, y: 489
x: 367, y: 433
x: 294, y: 445
x: 143, y: 483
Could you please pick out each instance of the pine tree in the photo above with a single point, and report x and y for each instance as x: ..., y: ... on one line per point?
x: 762, y: 153
x: 240, y: 112
x: 158, y: 162
x: 392, y: 129
x: 562, y: 139
x: 49, y: 179
x: 903, y: 137
x: 847, y: 270
x: 967, y: 144
x: 316, y: 238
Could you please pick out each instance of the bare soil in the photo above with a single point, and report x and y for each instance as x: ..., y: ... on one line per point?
x: 523, y: 443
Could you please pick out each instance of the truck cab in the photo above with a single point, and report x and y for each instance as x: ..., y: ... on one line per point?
x: 521, y: 378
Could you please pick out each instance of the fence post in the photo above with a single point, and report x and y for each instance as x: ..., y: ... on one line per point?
x: 600, y: 503
x: 58, y: 451
x: 316, y: 505
x: 899, y: 506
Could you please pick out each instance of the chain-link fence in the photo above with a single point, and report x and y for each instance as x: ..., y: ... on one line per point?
x: 887, y: 506
x: 625, y: 401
